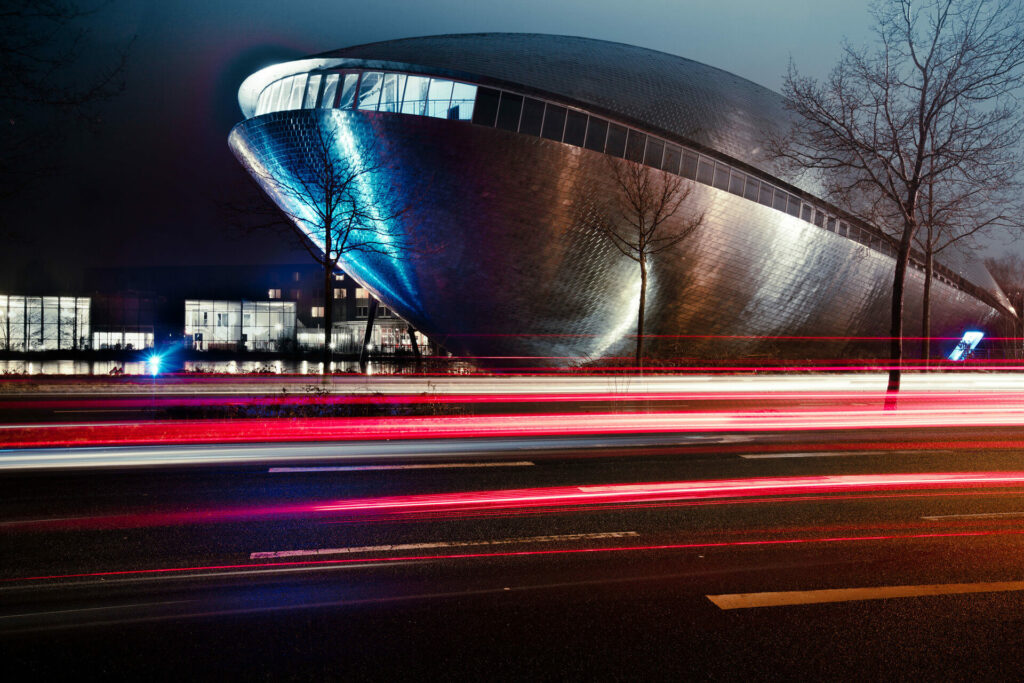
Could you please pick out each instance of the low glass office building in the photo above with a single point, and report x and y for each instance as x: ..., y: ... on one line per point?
x: 44, y: 323
x: 499, y: 144
x: 240, y: 325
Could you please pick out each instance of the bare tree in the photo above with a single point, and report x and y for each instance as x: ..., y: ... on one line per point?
x: 954, y: 214
x: 41, y: 47
x: 1008, y: 272
x: 337, y: 202
x: 638, y: 221
x: 932, y: 102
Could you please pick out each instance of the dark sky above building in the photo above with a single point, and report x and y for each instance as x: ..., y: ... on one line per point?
x: 144, y: 187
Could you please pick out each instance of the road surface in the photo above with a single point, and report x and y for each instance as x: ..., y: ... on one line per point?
x: 891, y: 553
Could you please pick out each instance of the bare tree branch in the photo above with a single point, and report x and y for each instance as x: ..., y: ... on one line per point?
x: 640, y: 220
x: 933, y: 104
x: 336, y: 202
x: 41, y: 83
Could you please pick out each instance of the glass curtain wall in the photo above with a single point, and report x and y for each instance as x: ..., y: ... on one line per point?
x: 371, y: 91
x: 233, y: 325
x: 44, y: 323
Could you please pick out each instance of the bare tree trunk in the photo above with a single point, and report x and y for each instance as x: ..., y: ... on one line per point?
x: 896, y: 322
x: 926, y: 313
x: 371, y: 313
x: 415, y: 346
x: 1017, y: 323
x: 328, y: 302
x: 640, y: 315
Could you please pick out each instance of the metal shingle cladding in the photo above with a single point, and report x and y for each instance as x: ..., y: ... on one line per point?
x: 517, y: 275
x: 652, y: 90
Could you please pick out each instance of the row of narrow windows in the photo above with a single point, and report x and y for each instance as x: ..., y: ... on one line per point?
x: 371, y: 91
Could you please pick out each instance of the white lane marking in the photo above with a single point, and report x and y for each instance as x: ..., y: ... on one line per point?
x: 104, y: 410
x: 980, y: 515
x: 822, y: 454
x: 448, y: 544
x: 784, y: 598
x: 81, y: 610
x: 420, y: 466
x: 14, y: 522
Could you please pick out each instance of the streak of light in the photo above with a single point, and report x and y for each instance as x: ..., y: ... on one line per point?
x: 979, y: 515
x: 578, y: 495
x: 662, y: 504
x: 271, y: 554
x: 617, y: 384
x: 159, y: 402
x: 574, y: 497
x: 498, y: 426
x: 385, y: 468
x: 519, y: 553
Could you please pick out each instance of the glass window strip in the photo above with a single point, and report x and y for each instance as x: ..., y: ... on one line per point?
x: 312, y: 91
x: 298, y: 92
x: 327, y: 99
x: 349, y: 87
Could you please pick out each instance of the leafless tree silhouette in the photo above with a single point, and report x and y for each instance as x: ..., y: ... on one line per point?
x: 338, y: 202
x: 1008, y: 272
x: 931, y: 103
x: 638, y: 221
x: 954, y: 215
x: 41, y: 48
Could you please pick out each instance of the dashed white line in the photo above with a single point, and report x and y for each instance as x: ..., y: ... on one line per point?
x: 980, y: 515
x: 445, y: 544
x: 822, y: 454
x: 417, y: 466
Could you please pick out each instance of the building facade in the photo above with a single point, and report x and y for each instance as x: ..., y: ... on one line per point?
x: 44, y: 323
x: 500, y: 143
x: 262, y: 308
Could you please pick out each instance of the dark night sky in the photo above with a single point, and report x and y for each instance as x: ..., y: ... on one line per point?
x: 142, y: 189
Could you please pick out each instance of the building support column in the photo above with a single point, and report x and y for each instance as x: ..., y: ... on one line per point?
x: 415, y: 345
x: 368, y: 335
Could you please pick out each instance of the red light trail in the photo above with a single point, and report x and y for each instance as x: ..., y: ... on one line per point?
x: 521, y: 553
x: 497, y: 426
x: 575, y: 497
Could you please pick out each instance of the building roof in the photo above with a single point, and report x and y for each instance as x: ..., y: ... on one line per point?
x: 654, y: 91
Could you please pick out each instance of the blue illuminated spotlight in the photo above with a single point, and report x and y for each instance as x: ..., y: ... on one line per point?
x: 966, y: 345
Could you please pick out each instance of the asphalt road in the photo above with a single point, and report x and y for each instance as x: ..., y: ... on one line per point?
x: 752, y: 558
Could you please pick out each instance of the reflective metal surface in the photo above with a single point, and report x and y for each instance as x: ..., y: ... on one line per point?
x: 654, y: 90
x: 514, y: 274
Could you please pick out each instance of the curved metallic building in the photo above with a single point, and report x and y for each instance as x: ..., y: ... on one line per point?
x: 494, y: 142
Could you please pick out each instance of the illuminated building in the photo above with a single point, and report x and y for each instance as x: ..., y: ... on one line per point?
x: 495, y: 142
x: 44, y: 323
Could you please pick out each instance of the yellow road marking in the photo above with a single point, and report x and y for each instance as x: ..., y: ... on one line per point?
x: 782, y: 598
